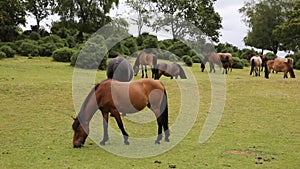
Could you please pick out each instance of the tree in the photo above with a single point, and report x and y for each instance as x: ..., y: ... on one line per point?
x: 186, y: 17
x: 262, y: 18
x: 91, y: 14
x: 12, y: 14
x: 143, y: 8
x: 288, y: 33
x: 40, y: 9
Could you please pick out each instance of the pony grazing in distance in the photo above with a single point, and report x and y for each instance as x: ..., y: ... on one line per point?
x: 119, y: 69
x: 111, y: 96
x: 279, y: 66
x: 255, y: 62
x: 224, y: 60
x: 145, y: 59
x: 169, y: 70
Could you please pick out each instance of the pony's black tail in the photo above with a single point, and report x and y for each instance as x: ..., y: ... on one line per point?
x: 252, y: 66
x: 181, y: 74
x: 165, y: 114
x: 291, y: 71
x: 266, y: 70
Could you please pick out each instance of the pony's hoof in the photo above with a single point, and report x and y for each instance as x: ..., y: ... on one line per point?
x: 157, y: 142
x: 102, y: 143
x: 126, y: 142
x: 167, y: 140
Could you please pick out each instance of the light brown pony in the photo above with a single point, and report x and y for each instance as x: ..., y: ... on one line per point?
x: 145, y: 59
x: 169, y: 70
x: 255, y: 62
x: 224, y: 55
x: 221, y: 59
x: 279, y: 66
x: 111, y: 96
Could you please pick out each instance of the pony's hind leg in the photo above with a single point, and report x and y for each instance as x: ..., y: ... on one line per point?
x: 159, y: 132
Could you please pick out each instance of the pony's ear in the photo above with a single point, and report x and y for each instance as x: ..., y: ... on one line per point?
x: 73, y: 117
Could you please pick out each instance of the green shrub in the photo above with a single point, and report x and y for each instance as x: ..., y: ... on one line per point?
x: 196, y: 59
x: 173, y: 57
x: 237, y: 63
x: 47, y: 49
x: 93, y: 55
x: 297, y: 65
x: 270, y: 56
x: 2, y: 55
x: 28, y: 48
x: 34, y: 35
x: 63, y: 54
x: 185, y: 57
x: 9, y: 52
x: 246, y: 62
x: 188, y: 61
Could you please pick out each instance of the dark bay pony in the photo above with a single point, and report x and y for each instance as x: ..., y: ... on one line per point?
x: 110, y: 97
x: 169, y: 70
x: 145, y: 59
x: 255, y: 62
x: 224, y: 60
x: 119, y: 69
x: 263, y: 61
x: 279, y: 66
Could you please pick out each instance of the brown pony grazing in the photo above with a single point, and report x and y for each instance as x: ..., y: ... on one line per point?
x: 119, y: 69
x: 111, y: 96
x: 222, y: 59
x: 145, y: 59
x: 255, y: 62
x: 169, y: 70
x: 279, y: 66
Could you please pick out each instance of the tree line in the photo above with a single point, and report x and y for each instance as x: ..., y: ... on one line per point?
x: 79, y: 19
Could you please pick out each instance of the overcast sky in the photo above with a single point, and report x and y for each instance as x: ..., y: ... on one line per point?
x: 233, y: 31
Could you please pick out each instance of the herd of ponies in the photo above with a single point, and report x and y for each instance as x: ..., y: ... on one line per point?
x: 111, y: 97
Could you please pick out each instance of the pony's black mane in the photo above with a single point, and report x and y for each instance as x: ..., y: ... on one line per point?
x: 137, y: 60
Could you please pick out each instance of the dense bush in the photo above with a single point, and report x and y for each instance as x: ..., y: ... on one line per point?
x: 188, y: 61
x: 130, y: 43
x: 47, y: 49
x: 237, y: 63
x: 196, y: 59
x: 92, y: 56
x: 172, y: 57
x: 185, y: 57
x: 297, y: 65
x: 270, y: 56
x: 63, y: 54
x: 246, y: 62
x: 34, y: 35
x: 2, y: 55
x: 9, y: 52
x: 28, y: 48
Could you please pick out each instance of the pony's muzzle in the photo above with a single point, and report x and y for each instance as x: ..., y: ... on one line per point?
x: 78, y: 145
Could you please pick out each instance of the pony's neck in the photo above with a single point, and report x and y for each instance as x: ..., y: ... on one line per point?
x: 89, y: 107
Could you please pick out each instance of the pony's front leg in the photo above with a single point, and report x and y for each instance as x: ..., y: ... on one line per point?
x: 105, y: 126
x: 121, y: 127
x: 142, y: 71
x: 146, y: 71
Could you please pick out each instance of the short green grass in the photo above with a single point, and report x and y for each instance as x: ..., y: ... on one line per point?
x: 259, y: 128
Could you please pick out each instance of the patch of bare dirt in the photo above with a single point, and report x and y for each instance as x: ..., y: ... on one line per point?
x: 243, y: 152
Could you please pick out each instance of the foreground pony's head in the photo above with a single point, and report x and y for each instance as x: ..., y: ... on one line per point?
x: 80, y: 134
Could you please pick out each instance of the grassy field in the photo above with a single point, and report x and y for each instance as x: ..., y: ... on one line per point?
x: 259, y: 128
